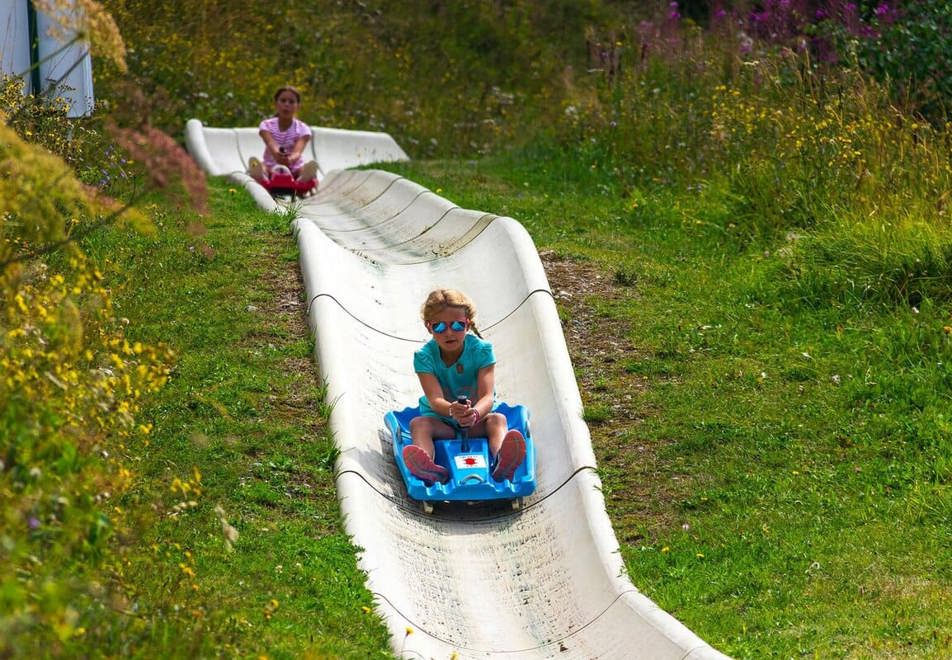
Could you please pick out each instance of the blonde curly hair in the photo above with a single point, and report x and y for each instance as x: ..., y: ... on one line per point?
x: 440, y: 299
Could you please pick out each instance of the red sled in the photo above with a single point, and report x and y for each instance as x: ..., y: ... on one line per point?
x: 281, y: 183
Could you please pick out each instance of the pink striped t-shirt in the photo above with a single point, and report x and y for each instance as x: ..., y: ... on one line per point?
x: 284, y: 139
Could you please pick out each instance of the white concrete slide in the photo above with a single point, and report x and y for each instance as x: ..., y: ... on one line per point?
x: 546, y: 581
x: 225, y: 151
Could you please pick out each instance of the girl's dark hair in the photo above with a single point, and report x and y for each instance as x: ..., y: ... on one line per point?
x: 288, y: 88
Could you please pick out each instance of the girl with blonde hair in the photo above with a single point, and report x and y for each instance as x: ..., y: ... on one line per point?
x: 455, y: 364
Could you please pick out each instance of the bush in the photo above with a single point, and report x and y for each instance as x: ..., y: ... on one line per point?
x: 72, y: 386
x: 909, y: 48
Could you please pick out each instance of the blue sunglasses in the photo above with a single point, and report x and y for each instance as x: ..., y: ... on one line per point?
x: 455, y: 326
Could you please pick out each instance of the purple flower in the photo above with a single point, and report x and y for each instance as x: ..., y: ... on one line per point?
x: 885, y: 14
x: 673, y: 13
x: 33, y: 522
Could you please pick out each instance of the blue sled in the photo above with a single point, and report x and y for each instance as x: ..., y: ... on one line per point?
x: 467, y: 459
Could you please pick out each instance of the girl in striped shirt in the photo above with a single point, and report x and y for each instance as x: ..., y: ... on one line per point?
x: 285, y: 137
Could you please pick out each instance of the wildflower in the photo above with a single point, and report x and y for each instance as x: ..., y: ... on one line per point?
x: 270, y: 608
x: 409, y: 631
x: 165, y: 160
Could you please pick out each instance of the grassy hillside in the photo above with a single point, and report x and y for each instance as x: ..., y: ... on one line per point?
x: 776, y: 473
x: 444, y: 77
x: 236, y: 546
x: 744, y: 213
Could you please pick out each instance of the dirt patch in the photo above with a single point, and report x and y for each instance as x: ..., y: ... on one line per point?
x: 593, y: 338
x: 596, y: 339
x: 640, y: 489
x: 295, y: 402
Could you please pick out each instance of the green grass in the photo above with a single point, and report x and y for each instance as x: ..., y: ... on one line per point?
x: 246, y: 408
x: 780, y: 486
x: 783, y: 489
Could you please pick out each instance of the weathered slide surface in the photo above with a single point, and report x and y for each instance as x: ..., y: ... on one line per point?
x: 547, y: 581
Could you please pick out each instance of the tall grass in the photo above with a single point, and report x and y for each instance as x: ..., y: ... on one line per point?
x: 448, y: 78
x: 787, y: 147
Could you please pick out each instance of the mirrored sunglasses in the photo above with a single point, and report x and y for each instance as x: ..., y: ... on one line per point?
x: 456, y: 326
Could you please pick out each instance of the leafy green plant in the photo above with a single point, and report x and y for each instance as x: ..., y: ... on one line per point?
x: 911, y: 52
x: 72, y: 390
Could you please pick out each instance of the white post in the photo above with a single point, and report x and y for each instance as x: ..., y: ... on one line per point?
x: 62, y: 72
x: 70, y: 71
x: 14, y: 38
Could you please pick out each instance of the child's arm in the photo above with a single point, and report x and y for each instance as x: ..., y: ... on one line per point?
x: 485, y: 386
x: 298, y: 149
x: 434, y: 394
x: 271, y: 145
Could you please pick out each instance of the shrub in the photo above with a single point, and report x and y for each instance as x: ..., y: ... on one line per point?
x: 792, y: 146
x: 908, y: 46
x: 71, y: 387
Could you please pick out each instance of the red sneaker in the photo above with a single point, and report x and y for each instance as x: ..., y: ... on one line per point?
x: 511, y: 454
x: 422, y: 466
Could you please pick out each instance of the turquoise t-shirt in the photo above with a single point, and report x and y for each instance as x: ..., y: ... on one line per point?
x: 459, y: 377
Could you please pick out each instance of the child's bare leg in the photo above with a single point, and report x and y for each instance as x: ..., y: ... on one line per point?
x: 424, y: 429
x: 508, y: 448
x: 257, y: 170
x: 496, y: 427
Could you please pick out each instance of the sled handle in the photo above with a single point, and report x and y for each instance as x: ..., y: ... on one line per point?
x: 462, y: 399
